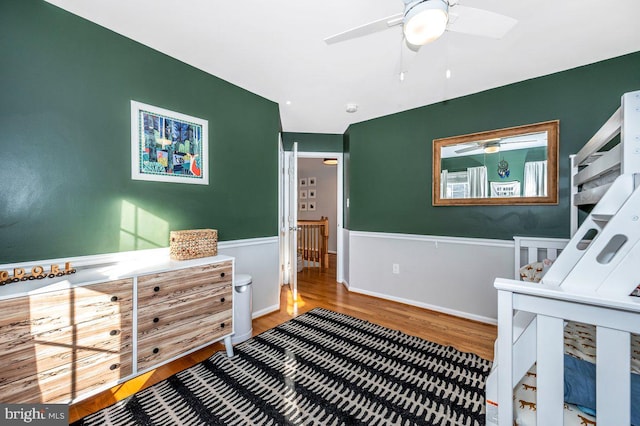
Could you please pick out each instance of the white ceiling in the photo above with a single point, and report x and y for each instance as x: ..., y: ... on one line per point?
x: 275, y: 49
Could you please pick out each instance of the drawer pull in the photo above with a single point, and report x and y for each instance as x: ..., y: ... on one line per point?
x: 114, y: 332
x: 114, y: 298
x: 114, y: 366
x: 222, y: 300
x: 222, y: 274
x: 156, y: 350
x: 156, y: 289
x: 222, y: 325
x: 156, y: 319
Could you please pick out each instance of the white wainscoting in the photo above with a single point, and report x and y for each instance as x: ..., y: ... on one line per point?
x: 258, y: 257
x: 446, y: 274
x: 345, y: 257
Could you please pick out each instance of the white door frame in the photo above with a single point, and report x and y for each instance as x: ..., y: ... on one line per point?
x: 339, y: 201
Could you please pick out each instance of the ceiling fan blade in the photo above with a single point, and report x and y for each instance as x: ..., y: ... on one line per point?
x: 467, y: 149
x: 508, y: 142
x: 366, y: 29
x: 469, y: 20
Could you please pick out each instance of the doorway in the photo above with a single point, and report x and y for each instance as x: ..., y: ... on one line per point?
x: 290, y: 202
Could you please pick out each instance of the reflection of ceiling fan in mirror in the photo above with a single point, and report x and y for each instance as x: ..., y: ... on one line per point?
x: 491, y: 146
x: 424, y: 21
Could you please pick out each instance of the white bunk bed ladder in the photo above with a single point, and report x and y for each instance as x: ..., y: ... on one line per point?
x: 611, y: 229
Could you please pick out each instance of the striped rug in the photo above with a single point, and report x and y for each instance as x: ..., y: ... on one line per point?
x: 321, y: 368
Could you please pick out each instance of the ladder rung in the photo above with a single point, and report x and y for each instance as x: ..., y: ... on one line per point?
x: 602, y: 217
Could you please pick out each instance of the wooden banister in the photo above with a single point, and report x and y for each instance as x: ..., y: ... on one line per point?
x: 313, y: 241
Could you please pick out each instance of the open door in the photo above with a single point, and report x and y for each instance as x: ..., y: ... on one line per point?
x: 289, y: 224
x: 293, y: 221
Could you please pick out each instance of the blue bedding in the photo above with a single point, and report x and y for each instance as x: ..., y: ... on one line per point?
x: 580, y: 387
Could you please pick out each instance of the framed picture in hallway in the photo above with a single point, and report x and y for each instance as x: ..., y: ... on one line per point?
x: 303, y: 194
x: 303, y: 207
x: 168, y: 146
x: 311, y: 181
x: 312, y: 206
x: 312, y: 193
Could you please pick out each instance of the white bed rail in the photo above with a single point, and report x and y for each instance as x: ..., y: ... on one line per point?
x: 614, y: 317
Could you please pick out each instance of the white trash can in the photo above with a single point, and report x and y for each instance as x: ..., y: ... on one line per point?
x: 242, y: 309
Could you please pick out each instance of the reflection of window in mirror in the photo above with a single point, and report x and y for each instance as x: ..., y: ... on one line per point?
x: 455, y: 184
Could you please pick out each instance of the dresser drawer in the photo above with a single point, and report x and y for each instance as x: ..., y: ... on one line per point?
x: 69, y: 381
x: 22, y: 317
x: 171, y: 339
x: 170, y: 310
x: 155, y: 288
x: 63, y: 345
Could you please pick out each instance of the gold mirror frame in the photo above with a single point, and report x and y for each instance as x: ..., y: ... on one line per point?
x: 551, y: 127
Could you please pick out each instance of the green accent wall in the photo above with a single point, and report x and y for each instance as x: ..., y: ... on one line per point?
x: 312, y: 142
x: 390, y: 168
x: 66, y: 187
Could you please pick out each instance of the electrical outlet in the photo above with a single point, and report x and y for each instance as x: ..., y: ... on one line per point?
x: 396, y: 268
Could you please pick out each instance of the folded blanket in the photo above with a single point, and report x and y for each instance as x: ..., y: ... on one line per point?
x: 580, y: 387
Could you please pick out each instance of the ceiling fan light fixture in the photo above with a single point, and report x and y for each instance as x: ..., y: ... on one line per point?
x: 425, y: 21
x: 491, y: 149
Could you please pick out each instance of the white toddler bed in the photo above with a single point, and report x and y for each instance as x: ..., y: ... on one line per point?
x: 590, y: 283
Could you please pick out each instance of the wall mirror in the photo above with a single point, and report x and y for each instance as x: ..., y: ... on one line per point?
x: 518, y: 165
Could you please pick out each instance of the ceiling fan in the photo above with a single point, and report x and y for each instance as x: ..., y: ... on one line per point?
x: 491, y: 146
x: 424, y: 21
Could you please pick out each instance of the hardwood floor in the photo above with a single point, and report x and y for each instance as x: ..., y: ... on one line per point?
x: 319, y: 289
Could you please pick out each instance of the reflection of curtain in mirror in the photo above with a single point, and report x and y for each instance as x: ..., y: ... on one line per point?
x: 535, y: 179
x: 443, y: 183
x: 477, y: 181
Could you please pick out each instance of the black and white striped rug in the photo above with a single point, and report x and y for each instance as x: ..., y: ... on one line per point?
x: 321, y: 368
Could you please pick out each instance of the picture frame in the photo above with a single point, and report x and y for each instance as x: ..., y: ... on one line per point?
x: 312, y: 193
x: 311, y: 181
x: 312, y: 206
x: 303, y: 194
x: 303, y: 207
x: 303, y: 182
x: 168, y: 146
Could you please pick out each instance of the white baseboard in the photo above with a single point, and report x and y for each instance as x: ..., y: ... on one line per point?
x: 427, y: 306
x: 265, y: 311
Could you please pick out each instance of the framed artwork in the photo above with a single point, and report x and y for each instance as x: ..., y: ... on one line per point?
x: 303, y: 207
x: 303, y: 194
x: 312, y: 193
x: 311, y: 181
x: 168, y: 146
x: 312, y: 206
x: 303, y: 182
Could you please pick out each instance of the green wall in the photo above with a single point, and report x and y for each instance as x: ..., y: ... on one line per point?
x: 389, y: 159
x: 312, y: 142
x: 66, y: 187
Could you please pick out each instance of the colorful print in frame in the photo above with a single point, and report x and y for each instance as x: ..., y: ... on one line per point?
x: 168, y: 146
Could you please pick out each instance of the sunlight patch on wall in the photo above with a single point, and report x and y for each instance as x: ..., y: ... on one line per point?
x: 140, y: 229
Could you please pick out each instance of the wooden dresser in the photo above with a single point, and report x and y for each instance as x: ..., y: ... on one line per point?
x: 69, y: 337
